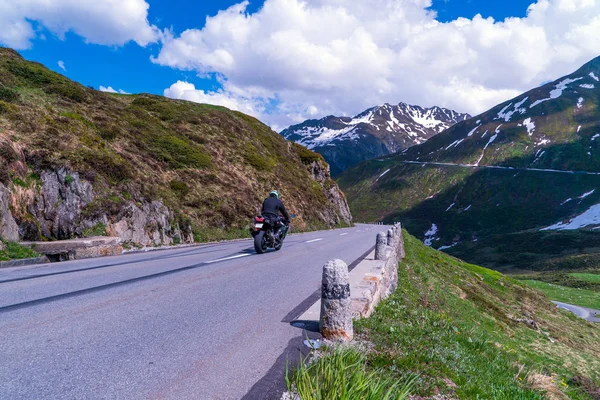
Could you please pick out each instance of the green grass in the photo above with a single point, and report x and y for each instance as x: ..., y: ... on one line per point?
x: 97, y: 230
x: 575, y: 296
x: 341, y: 374
x: 15, y: 251
x: 593, y: 278
x: 459, y: 328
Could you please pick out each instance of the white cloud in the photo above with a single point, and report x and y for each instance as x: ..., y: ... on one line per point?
x: 109, y: 89
x: 106, y: 22
x: 254, y: 106
x: 61, y: 64
x: 318, y: 57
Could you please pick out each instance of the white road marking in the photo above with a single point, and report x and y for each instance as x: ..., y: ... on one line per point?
x: 227, y: 258
x: 314, y: 240
x: 342, y: 234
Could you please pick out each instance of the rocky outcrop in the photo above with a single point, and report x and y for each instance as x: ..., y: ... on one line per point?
x: 9, y: 230
x: 150, y: 224
x: 339, y: 211
x: 58, y: 208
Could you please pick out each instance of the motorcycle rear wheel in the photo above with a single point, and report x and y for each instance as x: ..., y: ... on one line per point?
x: 260, y: 243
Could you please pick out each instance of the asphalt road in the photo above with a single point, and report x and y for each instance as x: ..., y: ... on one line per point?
x: 206, y: 322
x: 582, y: 312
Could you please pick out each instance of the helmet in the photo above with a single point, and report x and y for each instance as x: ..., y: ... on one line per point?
x: 274, y: 193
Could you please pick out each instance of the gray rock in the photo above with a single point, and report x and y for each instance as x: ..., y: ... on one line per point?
x: 150, y: 225
x: 2, y: 246
x: 336, y: 312
x: 63, y: 196
x: 9, y: 230
x: 338, y: 211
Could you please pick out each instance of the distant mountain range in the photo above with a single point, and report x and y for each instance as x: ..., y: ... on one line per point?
x: 513, y: 187
x: 378, y: 131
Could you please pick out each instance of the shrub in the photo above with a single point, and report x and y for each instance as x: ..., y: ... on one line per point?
x: 258, y: 161
x: 34, y: 74
x: 179, y: 153
x: 8, y: 95
x: 307, y: 156
x: 180, y: 189
x: 97, y: 230
x: 68, y: 90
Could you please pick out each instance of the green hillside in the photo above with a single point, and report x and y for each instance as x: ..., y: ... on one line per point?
x: 147, y: 168
x: 492, y: 183
x: 461, y: 331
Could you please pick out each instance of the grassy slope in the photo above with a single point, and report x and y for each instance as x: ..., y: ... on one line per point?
x: 581, y: 287
x: 455, y: 325
x: 569, y: 295
x: 14, y: 251
x: 212, y: 165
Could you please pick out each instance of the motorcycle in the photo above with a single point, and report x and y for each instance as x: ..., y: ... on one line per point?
x: 268, y: 233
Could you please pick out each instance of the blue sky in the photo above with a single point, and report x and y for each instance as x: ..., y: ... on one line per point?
x: 287, y: 60
x: 129, y: 68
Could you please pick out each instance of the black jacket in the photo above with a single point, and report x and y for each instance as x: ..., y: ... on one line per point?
x: 272, y: 206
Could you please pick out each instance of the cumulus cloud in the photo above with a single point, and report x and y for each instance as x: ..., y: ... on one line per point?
x: 105, y: 22
x: 109, y: 89
x: 317, y: 57
x: 61, y: 65
x: 254, y: 106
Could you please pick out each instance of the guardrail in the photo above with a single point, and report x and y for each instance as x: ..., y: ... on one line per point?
x: 343, y: 299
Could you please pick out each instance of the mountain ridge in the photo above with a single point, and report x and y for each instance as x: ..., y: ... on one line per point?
x: 377, y: 131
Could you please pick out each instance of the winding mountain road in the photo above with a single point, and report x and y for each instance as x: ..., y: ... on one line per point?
x: 586, y: 313
x: 441, y: 164
x: 204, y: 322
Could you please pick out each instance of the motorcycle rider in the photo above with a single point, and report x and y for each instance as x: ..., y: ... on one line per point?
x: 271, y: 208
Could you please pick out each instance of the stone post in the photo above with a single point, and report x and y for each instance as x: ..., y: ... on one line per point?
x: 390, y: 237
x: 336, y: 313
x: 381, y: 246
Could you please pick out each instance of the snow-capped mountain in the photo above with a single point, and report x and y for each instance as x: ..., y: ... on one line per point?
x: 555, y: 126
x: 381, y: 130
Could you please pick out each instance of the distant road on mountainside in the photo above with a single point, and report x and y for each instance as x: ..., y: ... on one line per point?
x: 498, y: 167
x: 582, y: 312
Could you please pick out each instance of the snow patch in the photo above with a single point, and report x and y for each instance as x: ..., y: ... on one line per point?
x: 579, y: 103
x: 455, y: 143
x: 449, y: 208
x: 474, y: 129
x: 557, y: 92
x: 578, y: 128
x: 566, y: 201
x: 430, y: 235
x: 583, y: 196
x: 447, y: 247
x: 380, y: 176
x: 507, y: 115
x: 469, y: 207
x: 587, y: 86
x: 491, y: 141
x: 530, y: 125
x: 596, y: 136
x: 590, y: 217
x: 594, y: 77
